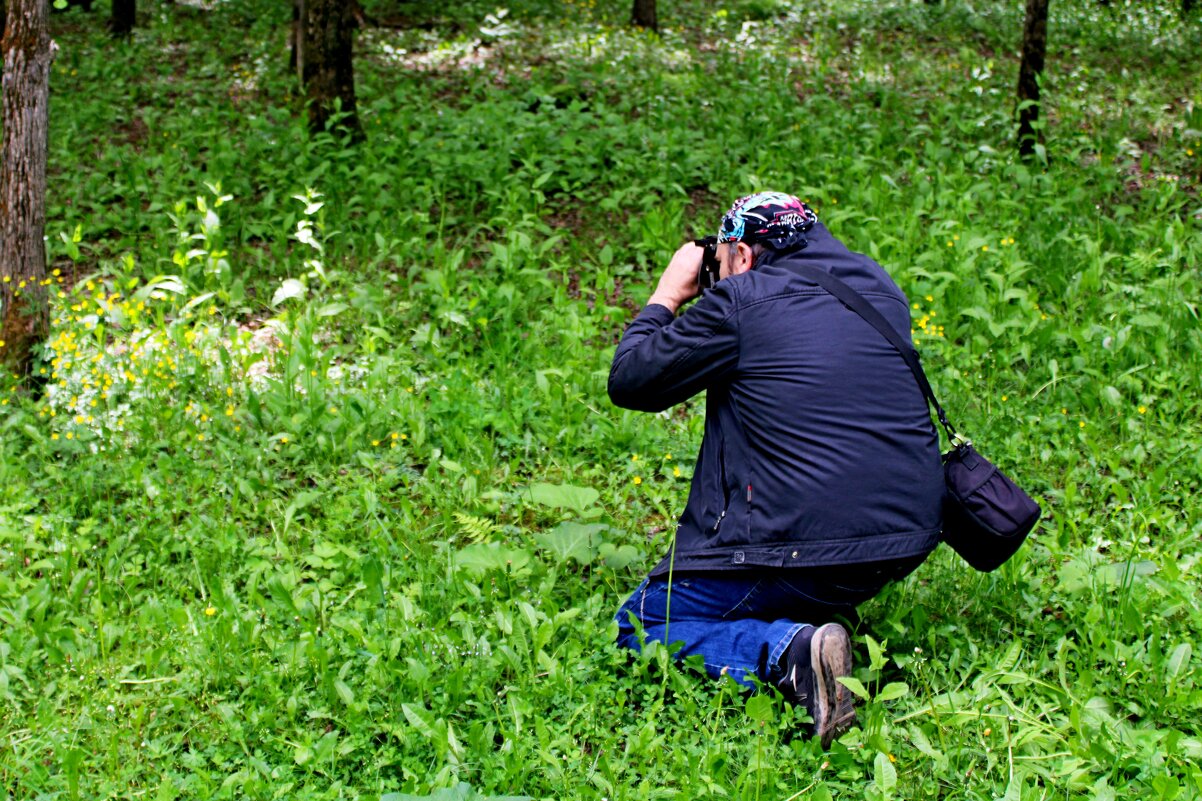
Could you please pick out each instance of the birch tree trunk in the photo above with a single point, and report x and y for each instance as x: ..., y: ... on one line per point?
x: 28, y: 53
x: 1035, y: 45
x: 326, y: 63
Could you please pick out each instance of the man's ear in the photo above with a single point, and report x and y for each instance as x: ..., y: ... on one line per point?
x: 745, y: 259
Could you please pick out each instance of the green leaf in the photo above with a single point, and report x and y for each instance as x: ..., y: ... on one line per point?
x: 892, y: 691
x: 486, y: 556
x: 1179, y: 659
x: 571, y: 540
x: 884, y: 774
x: 759, y: 708
x: 855, y: 686
x: 564, y: 496
x: 291, y: 288
x: 420, y: 719
x: 344, y: 692
x: 876, y: 654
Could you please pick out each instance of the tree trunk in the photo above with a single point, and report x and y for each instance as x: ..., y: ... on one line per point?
x: 295, y: 43
x: 28, y: 53
x: 643, y: 15
x: 327, y: 69
x: 1035, y: 45
x: 121, y: 23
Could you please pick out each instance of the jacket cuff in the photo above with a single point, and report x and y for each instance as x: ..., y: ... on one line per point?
x: 655, y: 313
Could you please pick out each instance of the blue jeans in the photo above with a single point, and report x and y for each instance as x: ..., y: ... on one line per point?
x: 742, y: 622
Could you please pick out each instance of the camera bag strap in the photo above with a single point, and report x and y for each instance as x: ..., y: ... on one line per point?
x: 856, y: 302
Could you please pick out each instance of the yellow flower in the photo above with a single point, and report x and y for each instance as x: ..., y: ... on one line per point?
x: 284, y: 439
x: 637, y: 480
x: 930, y: 298
x: 667, y: 457
x: 1142, y: 409
x: 375, y: 443
x: 200, y: 437
x: 1081, y: 424
x: 1004, y: 398
x: 395, y: 435
x: 210, y: 611
x: 676, y: 472
x: 54, y: 436
x: 229, y: 411
x: 634, y: 457
x: 984, y: 248
x: 950, y: 243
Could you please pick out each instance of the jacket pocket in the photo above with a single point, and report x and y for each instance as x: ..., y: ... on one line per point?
x: 724, y: 501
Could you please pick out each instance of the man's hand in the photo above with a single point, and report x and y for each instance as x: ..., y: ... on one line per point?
x: 678, y: 284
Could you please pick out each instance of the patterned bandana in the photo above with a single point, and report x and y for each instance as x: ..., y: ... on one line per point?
x: 772, y: 218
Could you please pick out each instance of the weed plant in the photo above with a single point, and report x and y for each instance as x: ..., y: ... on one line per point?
x: 321, y: 496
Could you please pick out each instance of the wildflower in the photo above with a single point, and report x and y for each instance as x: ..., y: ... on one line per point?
x: 54, y: 436
x: 950, y: 243
x: 676, y: 472
x: 284, y: 439
x: 210, y: 611
x: 1081, y: 424
x: 229, y: 411
x: 1004, y: 398
x: 667, y: 457
x: 1142, y: 409
x: 394, y: 435
x: 984, y: 248
x: 634, y: 457
x: 375, y: 443
x: 638, y: 480
x: 930, y: 298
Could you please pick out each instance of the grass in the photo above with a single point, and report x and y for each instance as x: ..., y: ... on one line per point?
x: 324, y: 499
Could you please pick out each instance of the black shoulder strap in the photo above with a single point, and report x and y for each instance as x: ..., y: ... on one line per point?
x: 856, y: 302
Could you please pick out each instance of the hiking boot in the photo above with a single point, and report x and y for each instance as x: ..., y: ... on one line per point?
x: 812, y: 663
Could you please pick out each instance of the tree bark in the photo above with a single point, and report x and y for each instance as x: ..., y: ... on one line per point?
x: 643, y: 15
x: 28, y: 54
x: 121, y: 23
x: 326, y: 65
x: 1035, y: 45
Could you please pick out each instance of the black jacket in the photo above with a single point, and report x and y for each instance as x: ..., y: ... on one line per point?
x: 818, y: 448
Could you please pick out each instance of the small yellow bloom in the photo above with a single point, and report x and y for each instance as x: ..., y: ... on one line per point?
x: 1004, y: 398
x: 375, y: 443
x: 200, y: 437
x: 54, y: 436
x: 637, y: 480
x: 395, y: 435
x: 229, y: 411
x: 229, y: 391
x: 984, y: 248
x: 1143, y: 409
x: 930, y: 298
x: 950, y: 243
x: 284, y: 440
x: 676, y: 472
x: 1081, y: 424
x: 634, y: 457
x: 667, y: 457
x: 210, y: 611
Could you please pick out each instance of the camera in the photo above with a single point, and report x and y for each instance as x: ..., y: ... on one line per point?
x: 708, y: 275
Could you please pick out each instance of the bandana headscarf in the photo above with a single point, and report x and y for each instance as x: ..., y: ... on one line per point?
x: 771, y: 218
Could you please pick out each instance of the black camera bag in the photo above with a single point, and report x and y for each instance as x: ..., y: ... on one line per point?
x: 986, y: 516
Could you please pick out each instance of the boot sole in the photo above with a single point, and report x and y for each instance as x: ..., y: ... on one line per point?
x: 830, y: 656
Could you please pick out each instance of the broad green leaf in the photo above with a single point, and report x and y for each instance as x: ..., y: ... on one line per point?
x: 564, y: 496
x: 485, y: 556
x: 892, y: 691
x: 855, y: 686
x: 571, y: 540
x: 344, y: 692
x: 1179, y: 659
x: 420, y: 719
x: 759, y: 708
x: 876, y: 653
x: 884, y: 774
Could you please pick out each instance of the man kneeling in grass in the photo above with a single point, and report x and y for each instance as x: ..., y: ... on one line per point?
x: 819, y: 477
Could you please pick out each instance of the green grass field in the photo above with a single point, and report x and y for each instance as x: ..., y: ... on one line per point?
x: 323, y: 497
